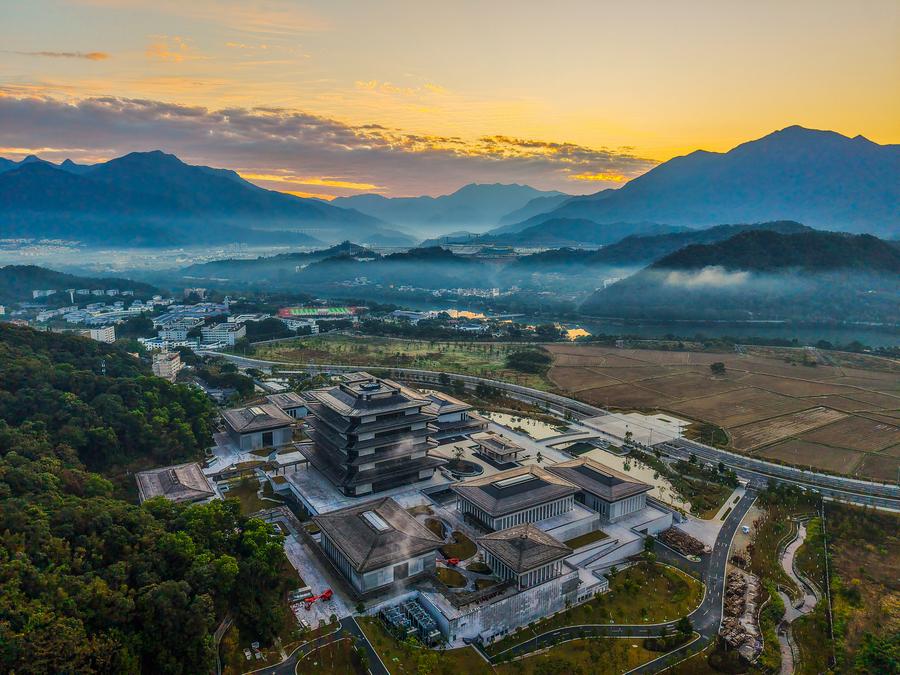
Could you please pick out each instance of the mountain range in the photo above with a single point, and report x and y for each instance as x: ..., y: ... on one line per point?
x: 821, y: 178
x: 17, y: 282
x: 764, y: 275
x: 474, y: 207
x: 153, y: 198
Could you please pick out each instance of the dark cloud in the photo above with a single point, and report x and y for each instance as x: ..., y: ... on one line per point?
x: 267, y: 140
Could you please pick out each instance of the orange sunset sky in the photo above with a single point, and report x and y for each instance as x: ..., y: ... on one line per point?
x: 335, y: 98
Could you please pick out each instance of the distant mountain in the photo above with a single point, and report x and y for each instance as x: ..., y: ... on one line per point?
x: 535, y: 207
x: 153, y: 198
x: 277, y: 269
x: 806, y: 276
x: 577, y: 232
x: 820, y: 178
x: 643, y: 249
x: 473, y: 207
x: 17, y: 282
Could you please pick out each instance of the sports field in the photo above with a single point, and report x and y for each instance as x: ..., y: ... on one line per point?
x: 840, y: 415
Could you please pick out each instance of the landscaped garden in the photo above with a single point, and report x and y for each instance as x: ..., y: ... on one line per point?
x: 585, y: 539
x: 461, y: 547
x: 647, y: 592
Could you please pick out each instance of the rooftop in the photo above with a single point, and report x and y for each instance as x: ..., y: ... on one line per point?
x: 180, y: 483
x: 514, y: 490
x: 377, y: 533
x: 442, y: 403
x: 361, y: 394
x: 496, y: 442
x: 286, y: 400
x: 256, y: 418
x: 598, y: 479
x: 523, y: 548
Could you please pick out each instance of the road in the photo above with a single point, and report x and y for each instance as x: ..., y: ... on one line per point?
x: 756, y: 471
x: 706, y: 618
x: 348, y: 629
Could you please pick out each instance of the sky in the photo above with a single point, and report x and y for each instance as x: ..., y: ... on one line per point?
x: 403, y: 98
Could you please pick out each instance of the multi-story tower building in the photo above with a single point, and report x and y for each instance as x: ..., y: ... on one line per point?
x: 370, y: 434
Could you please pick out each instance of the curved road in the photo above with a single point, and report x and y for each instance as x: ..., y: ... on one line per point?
x: 756, y: 471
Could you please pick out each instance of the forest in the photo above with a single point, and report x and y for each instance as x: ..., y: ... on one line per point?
x: 91, y: 582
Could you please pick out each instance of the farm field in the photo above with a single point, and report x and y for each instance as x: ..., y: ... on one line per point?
x: 483, y: 359
x: 830, y: 411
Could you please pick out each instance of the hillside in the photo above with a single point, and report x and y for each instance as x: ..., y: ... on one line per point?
x: 153, y: 198
x: 644, y: 249
x: 764, y: 275
x: 472, y: 207
x: 576, y: 232
x: 17, y: 282
x: 820, y: 178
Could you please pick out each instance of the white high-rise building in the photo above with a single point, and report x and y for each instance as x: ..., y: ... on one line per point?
x: 167, y: 365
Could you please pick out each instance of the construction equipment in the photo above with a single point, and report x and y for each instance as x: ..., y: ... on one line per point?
x: 311, y: 600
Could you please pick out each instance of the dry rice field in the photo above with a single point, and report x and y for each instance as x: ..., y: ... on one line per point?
x: 842, y: 416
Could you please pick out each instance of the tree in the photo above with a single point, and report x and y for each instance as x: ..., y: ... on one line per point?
x: 539, y: 458
x: 717, y: 368
x: 684, y: 626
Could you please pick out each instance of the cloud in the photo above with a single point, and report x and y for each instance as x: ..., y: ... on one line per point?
x: 173, y: 49
x: 89, y: 56
x: 296, y: 146
x: 600, y: 177
x: 714, y: 276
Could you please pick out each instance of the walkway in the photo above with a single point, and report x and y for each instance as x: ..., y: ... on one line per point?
x: 793, y: 611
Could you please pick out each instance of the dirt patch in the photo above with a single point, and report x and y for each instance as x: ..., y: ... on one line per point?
x: 693, y: 385
x: 803, y: 453
x: 624, y: 396
x: 749, y: 436
x: 792, y: 386
x: 856, y: 433
x: 573, y: 379
x: 841, y: 403
x: 879, y: 467
x: 739, y: 407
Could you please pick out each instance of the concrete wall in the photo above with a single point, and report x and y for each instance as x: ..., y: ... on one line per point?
x: 613, y: 511
x: 376, y: 578
x: 532, y: 515
x: 254, y: 441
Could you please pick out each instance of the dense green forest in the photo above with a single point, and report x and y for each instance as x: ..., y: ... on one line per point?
x: 89, y: 582
x: 17, y: 282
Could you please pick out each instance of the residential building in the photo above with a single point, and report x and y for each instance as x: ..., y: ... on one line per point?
x: 611, y: 493
x: 370, y: 434
x: 296, y: 324
x: 180, y: 483
x: 377, y: 543
x: 524, y: 554
x: 290, y: 402
x: 104, y: 334
x: 496, y: 446
x: 452, y: 416
x: 227, y: 333
x: 258, y: 426
x: 167, y: 365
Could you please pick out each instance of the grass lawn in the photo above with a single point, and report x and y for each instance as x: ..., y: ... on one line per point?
x: 451, y: 578
x: 436, y: 526
x: 402, y: 659
x: 644, y: 593
x: 335, y: 658
x: 604, y: 656
x: 483, y: 359
x: 245, y: 492
x: 585, y: 539
x: 462, y: 547
x: 420, y: 510
x: 479, y: 567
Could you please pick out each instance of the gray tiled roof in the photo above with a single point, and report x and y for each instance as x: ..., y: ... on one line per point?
x: 256, y: 418
x: 361, y: 394
x: 599, y: 479
x: 442, y: 403
x: 179, y: 483
x: 287, y: 399
x: 493, y: 495
x: 366, y: 547
x: 523, y: 548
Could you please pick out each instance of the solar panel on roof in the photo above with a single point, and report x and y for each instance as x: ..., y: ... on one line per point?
x: 257, y: 411
x: 376, y: 521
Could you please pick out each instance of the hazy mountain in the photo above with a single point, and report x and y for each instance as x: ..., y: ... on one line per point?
x: 152, y: 198
x: 281, y: 268
x: 535, y: 207
x: 577, y: 231
x: 810, y: 276
x: 472, y: 207
x: 17, y: 282
x: 820, y: 178
x: 644, y: 249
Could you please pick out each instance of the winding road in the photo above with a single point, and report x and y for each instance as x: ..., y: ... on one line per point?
x: 793, y: 611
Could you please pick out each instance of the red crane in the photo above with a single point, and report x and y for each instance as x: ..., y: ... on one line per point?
x: 450, y: 562
x: 324, y: 595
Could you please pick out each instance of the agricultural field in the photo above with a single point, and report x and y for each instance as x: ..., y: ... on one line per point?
x: 483, y: 359
x: 830, y: 411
